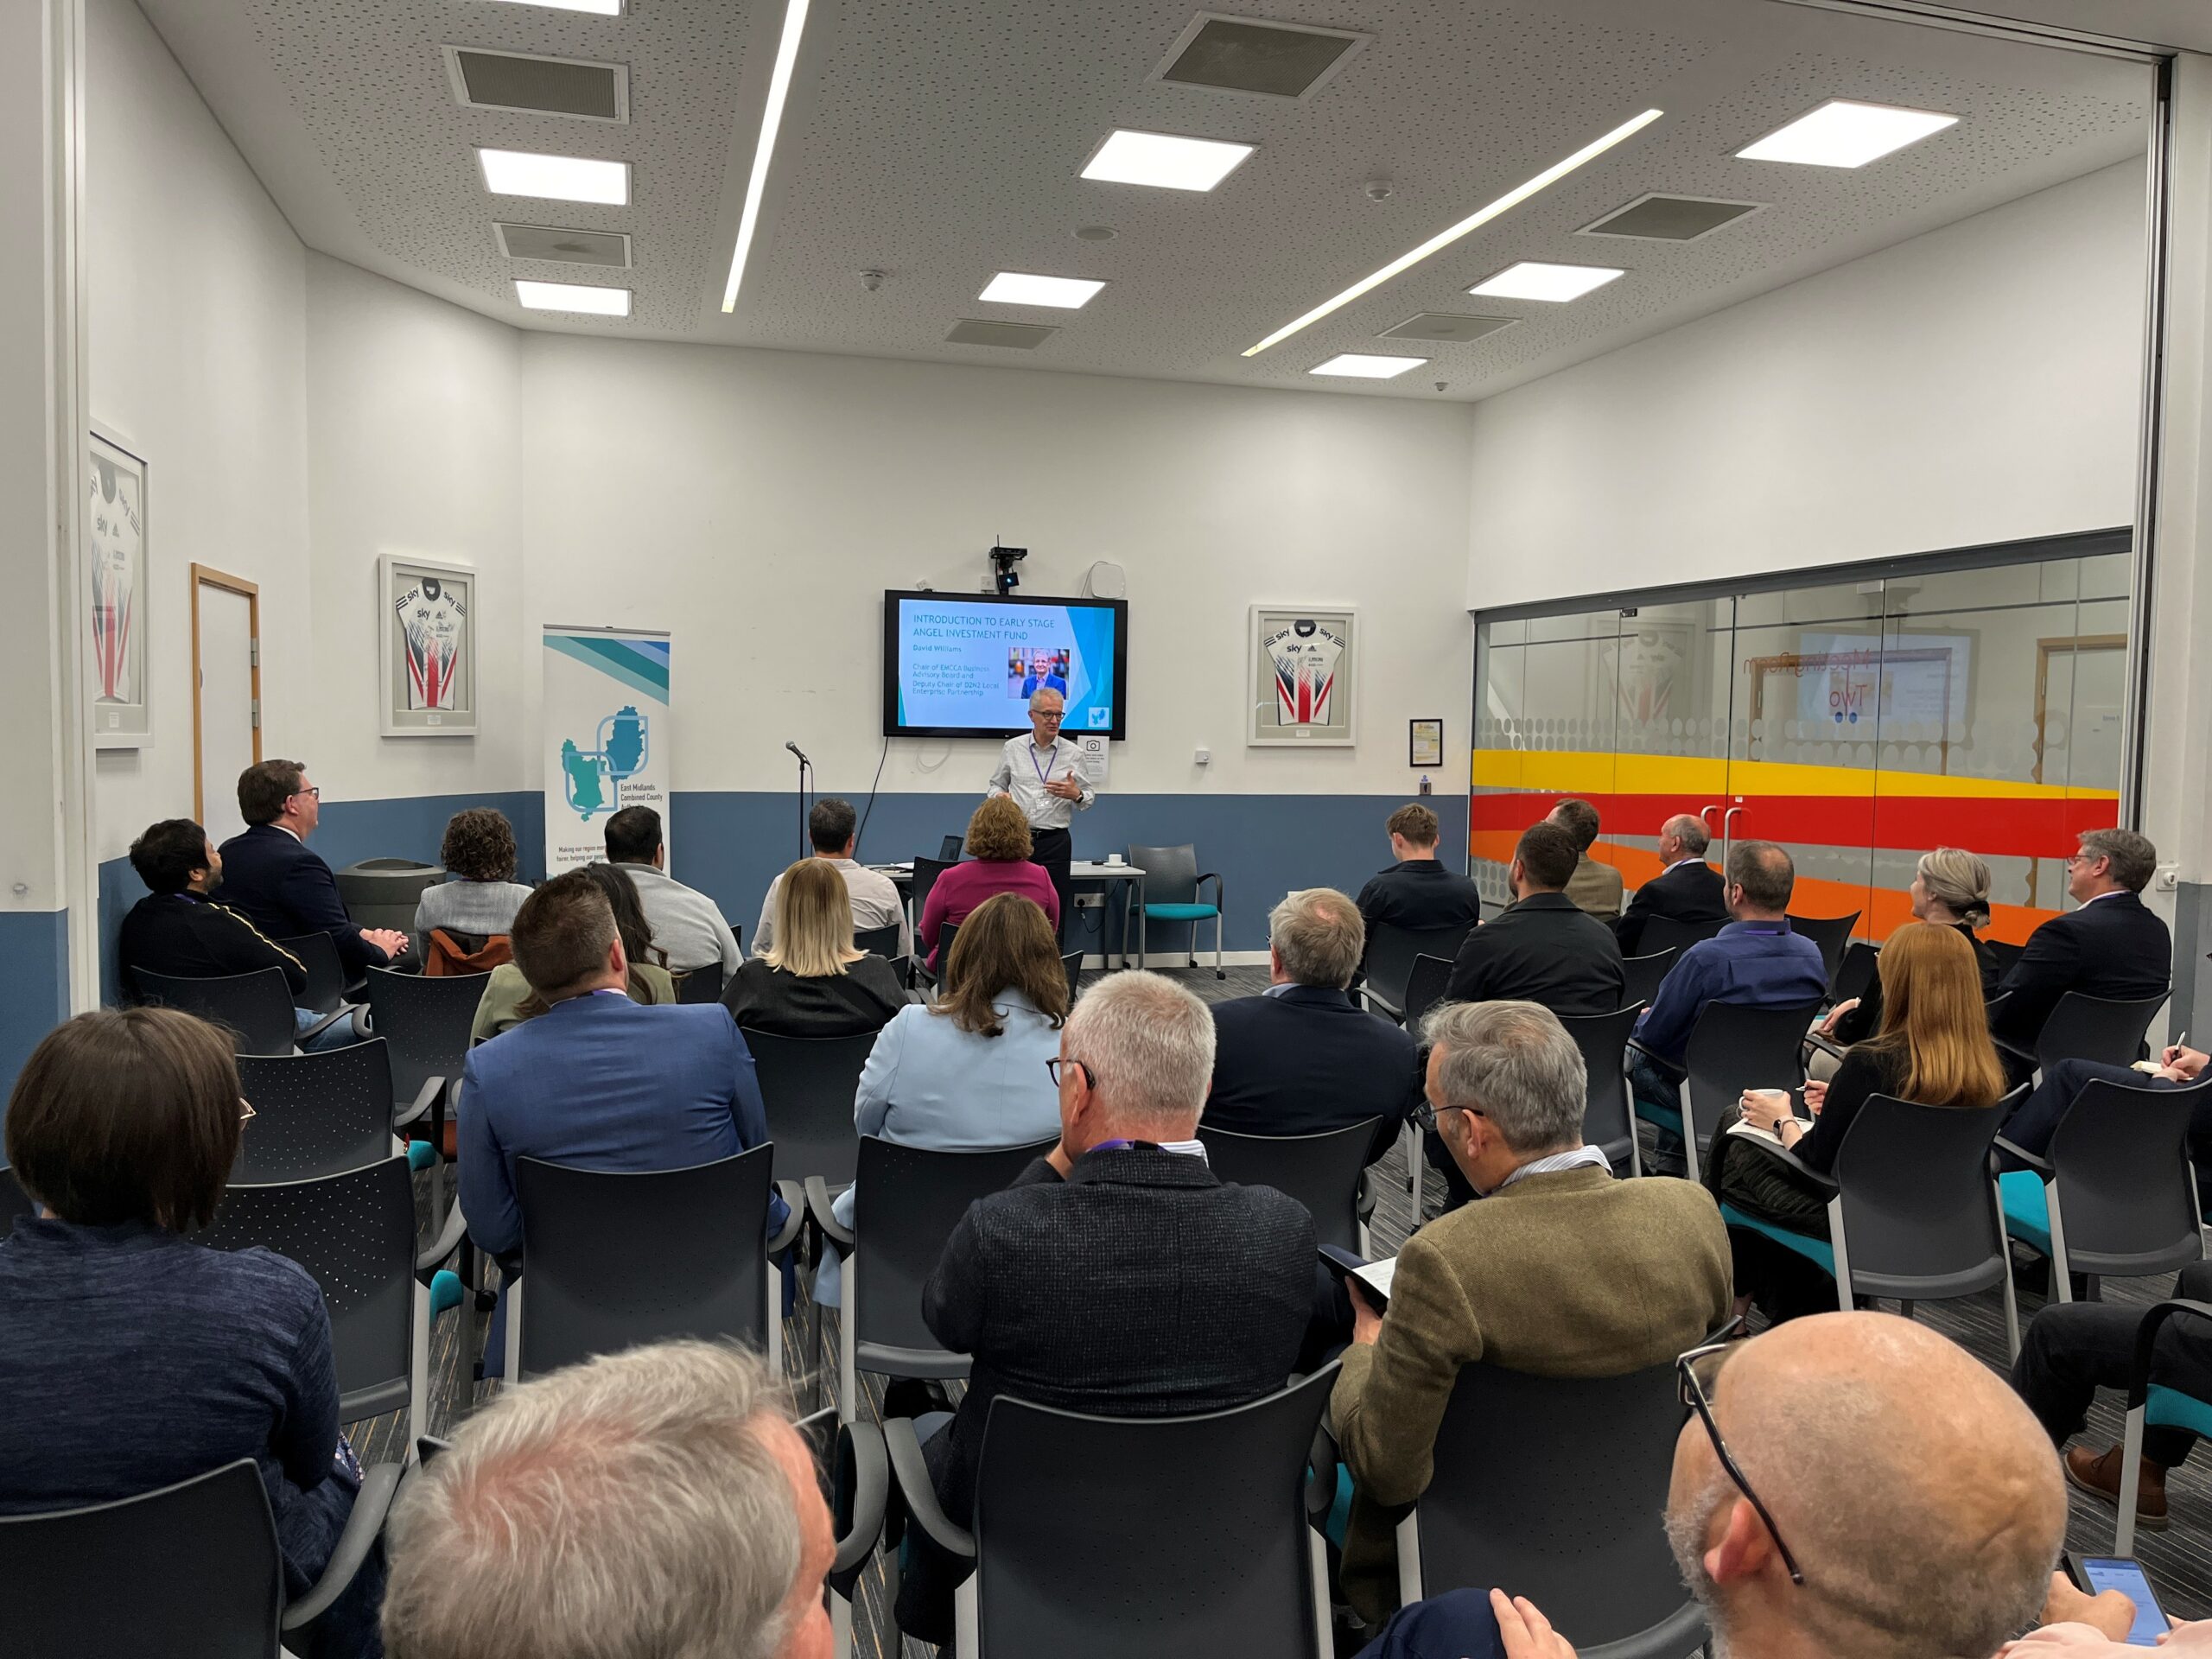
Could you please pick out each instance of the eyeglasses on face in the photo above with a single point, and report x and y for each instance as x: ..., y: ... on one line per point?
x: 1090, y: 1078
x: 313, y: 789
x: 1699, y: 1369
x: 1425, y: 1115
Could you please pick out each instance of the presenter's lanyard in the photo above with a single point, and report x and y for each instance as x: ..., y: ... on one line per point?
x: 1044, y: 772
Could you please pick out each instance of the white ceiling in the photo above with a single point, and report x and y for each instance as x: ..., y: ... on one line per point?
x: 939, y: 141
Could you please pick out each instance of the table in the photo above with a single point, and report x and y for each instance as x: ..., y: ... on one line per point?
x: 1083, y: 873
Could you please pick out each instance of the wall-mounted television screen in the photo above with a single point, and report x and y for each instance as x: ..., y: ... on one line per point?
x: 966, y: 664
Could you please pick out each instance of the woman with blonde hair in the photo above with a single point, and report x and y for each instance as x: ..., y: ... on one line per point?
x: 1934, y: 1049
x: 998, y: 861
x: 813, y: 981
x: 1950, y: 888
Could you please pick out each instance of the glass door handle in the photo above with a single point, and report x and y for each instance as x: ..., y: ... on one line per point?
x: 1728, y: 833
x: 1701, y: 811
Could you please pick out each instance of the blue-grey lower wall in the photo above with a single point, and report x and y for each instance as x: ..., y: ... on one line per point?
x: 33, y: 987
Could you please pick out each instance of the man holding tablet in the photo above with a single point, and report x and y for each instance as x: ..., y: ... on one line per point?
x: 1039, y: 770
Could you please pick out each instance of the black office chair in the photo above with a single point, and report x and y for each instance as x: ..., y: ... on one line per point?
x: 698, y: 985
x: 855, y: 1474
x: 926, y: 871
x: 1672, y: 933
x: 1644, y: 972
x: 256, y: 1008
x: 807, y: 1084
x: 14, y: 1201
x: 933, y: 978
x: 1861, y: 967
x: 1608, y: 1118
x: 907, y: 1201
x: 1425, y: 988
x: 1588, y: 1463
x: 1071, y: 960
x: 1172, y: 880
x: 2115, y: 1195
x: 315, y: 1113
x: 878, y: 941
x: 1326, y: 1172
x: 1831, y: 934
x: 425, y: 1023
x: 1733, y: 1047
x: 318, y: 954
x: 616, y: 1260
x: 1392, y: 954
x: 2095, y: 1028
x: 2007, y: 954
x: 191, y: 1571
x: 1211, y: 1550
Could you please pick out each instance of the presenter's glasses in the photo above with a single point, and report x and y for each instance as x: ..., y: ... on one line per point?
x: 1698, y: 1370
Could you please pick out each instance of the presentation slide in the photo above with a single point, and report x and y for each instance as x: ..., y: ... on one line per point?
x: 966, y: 665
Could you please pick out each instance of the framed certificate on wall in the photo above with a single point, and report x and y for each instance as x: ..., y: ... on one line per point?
x: 1425, y: 743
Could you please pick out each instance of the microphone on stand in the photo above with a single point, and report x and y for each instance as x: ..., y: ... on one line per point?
x: 805, y: 766
x: 798, y: 751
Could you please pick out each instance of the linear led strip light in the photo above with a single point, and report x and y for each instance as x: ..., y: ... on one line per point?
x: 772, y: 117
x: 1475, y: 220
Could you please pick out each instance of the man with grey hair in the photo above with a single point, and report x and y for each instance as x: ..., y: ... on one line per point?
x: 1561, y: 1271
x: 1117, y: 1275
x: 1687, y: 888
x: 1039, y: 770
x: 1302, y: 1057
x: 647, y: 1503
x: 2113, y: 946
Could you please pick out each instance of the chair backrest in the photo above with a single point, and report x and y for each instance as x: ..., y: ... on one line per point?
x: 2127, y: 1189
x: 1320, y: 1171
x: 1588, y: 1462
x: 318, y: 954
x: 946, y: 933
x: 1209, y: 1554
x: 384, y: 892
x: 807, y: 1083
x: 2007, y: 953
x: 949, y: 848
x: 2095, y: 1028
x: 256, y: 1008
x: 1861, y: 967
x: 700, y: 984
x: 1920, y: 1213
x: 1392, y: 951
x: 1672, y: 933
x: 424, y: 1023
x: 1071, y: 962
x: 313, y: 1113
x: 1735, y: 1046
x: 1608, y: 1119
x: 1831, y: 933
x: 905, y: 1205
x: 617, y: 1260
x: 926, y: 871
x: 1644, y: 972
x: 448, y: 952
x: 190, y: 1572
x: 1425, y: 988
x: 14, y: 1201
x: 1171, y: 874
x: 878, y: 941
x: 354, y: 1233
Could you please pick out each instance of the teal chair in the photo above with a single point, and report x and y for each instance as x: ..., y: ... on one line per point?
x: 2154, y: 1405
x: 1171, y: 895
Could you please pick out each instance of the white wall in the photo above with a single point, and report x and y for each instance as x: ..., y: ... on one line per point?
x: 1978, y: 383
x: 757, y: 503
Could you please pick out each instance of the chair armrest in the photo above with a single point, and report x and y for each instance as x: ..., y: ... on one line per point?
x: 1363, y: 1206
x: 371, y: 1505
x: 2041, y: 1166
x: 1827, y: 1185
x: 1321, y: 1476
x: 448, y: 1241
x: 1377, y: 1002
x: 863, y: 1443
x: 345, y: 1012
x: 432, y: 1086
x: 2146, y: 1337
x: 1209, y: 876
x: 916, y: 1495
x: 2015, y: 1051
x: 795, y: 1202
x: 1825, y: 1044
x: 818, y: 1212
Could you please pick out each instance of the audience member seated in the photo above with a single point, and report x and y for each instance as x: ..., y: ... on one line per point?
x: 1117, y: 1275
x: 1687, y: 888
x: 1546, y: 949
x: 1933, y: 1049
x: 273, y: 879
x: 833, y: 828
x: 999, y: 846
x: 1594, y: 888
x: 136, y: 1358
x: 178, y: 930
x: 688, y: 932
x: 479, y: 904
x: 1562, y: 1272
x: 2114, y: 946
x: 2073, y: 1348
x: 812, y: 981
x: 2036, y: 1119
x: 1951, y: 889
x: 1754, y: 961
x: 971, y: 1070
x: 1302, y: 1057
x: 655, y: 1502
x: 597, y: 1082
x: 508, y: 1000
x: 1417, y: 893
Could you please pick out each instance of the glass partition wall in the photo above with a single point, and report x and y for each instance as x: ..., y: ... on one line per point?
x: 1859, y: 722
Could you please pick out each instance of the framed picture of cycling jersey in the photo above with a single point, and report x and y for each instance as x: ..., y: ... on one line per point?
x: 1303, y: 681
x: 116, y: 545
x: 426, y: 634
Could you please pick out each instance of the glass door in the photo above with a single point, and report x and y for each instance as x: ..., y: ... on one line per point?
x: 1673, y: 675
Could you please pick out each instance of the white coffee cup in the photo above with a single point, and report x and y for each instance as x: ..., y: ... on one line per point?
x: 1112, y: 858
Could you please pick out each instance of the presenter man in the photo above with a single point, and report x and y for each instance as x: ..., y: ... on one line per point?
x: 1038, y: 772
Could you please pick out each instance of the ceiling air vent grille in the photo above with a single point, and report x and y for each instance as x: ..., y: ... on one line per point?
x: 1670, y: 219
x: 1446, y: 326
x: 1018, y: 336
x: 511, y: 80
x: 1264, y: 60
x: 569, y: 247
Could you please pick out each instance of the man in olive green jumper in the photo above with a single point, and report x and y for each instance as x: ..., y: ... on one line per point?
x: 1559, y: 1271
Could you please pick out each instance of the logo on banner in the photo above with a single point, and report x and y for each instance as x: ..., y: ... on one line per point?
x: 591, y: 779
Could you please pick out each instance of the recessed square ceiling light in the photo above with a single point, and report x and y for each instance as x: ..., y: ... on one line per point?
x: 1532, y: 279
x: 603, y: 8
x: 1017, y: 287
x: 1841, y: 133
x: 1161, y: 159
x: 555, y: 178
x: 1361, y: 365
x: 574, y: 296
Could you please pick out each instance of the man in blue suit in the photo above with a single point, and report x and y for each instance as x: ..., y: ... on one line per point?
x: 271, y: 878
x: 597, y: 1081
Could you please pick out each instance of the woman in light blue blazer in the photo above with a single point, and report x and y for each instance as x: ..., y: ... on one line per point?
x: 967, y: 1073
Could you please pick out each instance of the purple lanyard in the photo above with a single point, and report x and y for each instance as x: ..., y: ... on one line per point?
x: 1044, y: 772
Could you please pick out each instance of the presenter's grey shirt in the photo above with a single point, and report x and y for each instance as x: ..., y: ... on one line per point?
x: 687, y: 927
x: 875, y: 903
x: 1025, y: 769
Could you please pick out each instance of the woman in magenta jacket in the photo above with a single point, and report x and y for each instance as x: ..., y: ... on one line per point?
x: 998, y: 861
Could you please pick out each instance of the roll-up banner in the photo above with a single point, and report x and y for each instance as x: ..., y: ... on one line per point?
x: 607, y: 738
